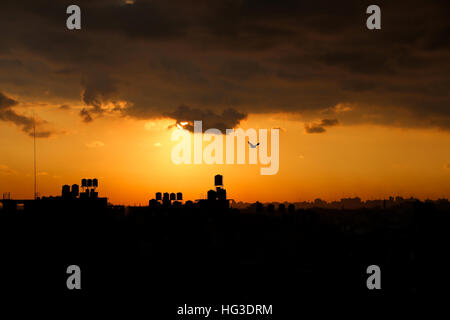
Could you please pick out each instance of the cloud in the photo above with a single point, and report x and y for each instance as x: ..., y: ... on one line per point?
x: 6, y: 102
x: 228, y: 119
x: 5, y: 170
x: 320, y: 127
x: 340, y: 108
x: 25, y: 123
x: 95, y: 144
x: 301, y: 57
x: 98, y: 90
x: 329, y: 122
x: 314, y: 129
x: 86, y: 115
x: 158, y: 144
x: 64, y: 107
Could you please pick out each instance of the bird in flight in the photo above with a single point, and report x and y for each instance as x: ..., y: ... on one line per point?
x: 253, y: 146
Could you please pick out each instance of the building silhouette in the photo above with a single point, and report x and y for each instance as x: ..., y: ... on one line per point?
x: 294, y: 247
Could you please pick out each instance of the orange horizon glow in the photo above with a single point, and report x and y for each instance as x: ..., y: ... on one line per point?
x: 131, y: 159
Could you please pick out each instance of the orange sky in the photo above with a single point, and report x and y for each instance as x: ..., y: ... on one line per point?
x: 363, y: 112
x: 132, y: 160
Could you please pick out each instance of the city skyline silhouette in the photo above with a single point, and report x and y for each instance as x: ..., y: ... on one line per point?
x: 319, y: 249
x: 89, y: 187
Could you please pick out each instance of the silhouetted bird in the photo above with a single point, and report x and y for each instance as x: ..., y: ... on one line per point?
x: 253, y: 145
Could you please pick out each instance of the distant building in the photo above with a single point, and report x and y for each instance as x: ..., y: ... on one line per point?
x: 319, y: 203
x: 93, y: 194
x: 221, y: 193
x: 71, y: 201
x: 291, y: 208
x: 212, y: 195
x: 216, y: 199
x: 153, y: 203
x: 259, y: 207
x: 218, y: 180
x: 75, y: 190
x: 351, y: 203
x: 66, y: 191
x: 166, y: 199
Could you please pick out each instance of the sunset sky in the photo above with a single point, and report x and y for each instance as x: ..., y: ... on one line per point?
x: 361, y: 113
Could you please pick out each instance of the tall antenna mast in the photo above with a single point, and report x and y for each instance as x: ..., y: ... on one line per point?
x: 34, y: 143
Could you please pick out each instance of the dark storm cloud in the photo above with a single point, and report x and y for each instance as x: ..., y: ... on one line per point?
x: 320, y: 127
x: 6, y: 102
x: 248, y: 55
x: 25, y: 123
x: 329, y: 122
x: 98, y: 90
x: 86, y: 115
x: 314, y: 129
x: 228, y: 119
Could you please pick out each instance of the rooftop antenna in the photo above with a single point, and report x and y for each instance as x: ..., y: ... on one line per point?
x: 34, y: 143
